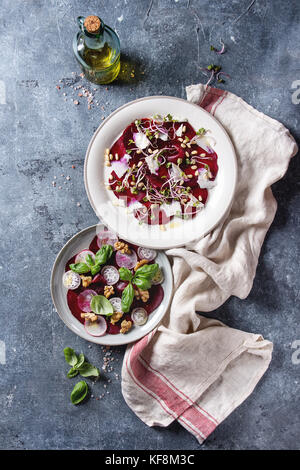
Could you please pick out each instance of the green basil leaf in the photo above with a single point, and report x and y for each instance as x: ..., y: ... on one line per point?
x: 79, y: 392
x: 87, y: 370
x: 142, y: 282
x: 103, y: 255
x: 70, y: 356
x: 89, y: 261
x: 144, y: 274
x: 125, y: 274
x: 101, y: 306
x: 72, y: 373
x: 80, y: 268
x: 80, y: 361
x: 95, y: 269
x: 148, y: 271
x: 127, y: 298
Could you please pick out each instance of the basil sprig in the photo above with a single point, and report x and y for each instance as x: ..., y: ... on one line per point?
x: 94, y: 266
x: 142, y: 279
x: 80, y: 268
x: 144, y: 275
x: 79, y: 365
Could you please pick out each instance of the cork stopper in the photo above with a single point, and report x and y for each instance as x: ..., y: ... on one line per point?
x: 92, y: 24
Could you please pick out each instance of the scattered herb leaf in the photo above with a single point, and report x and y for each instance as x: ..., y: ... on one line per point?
x: 72, y: 373
x: 88, y: 370
x: 79, y: 392
x: 70, y: 356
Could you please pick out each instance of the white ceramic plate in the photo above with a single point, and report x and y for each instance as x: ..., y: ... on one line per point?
x: 177, y: 232
x: 77, y: 243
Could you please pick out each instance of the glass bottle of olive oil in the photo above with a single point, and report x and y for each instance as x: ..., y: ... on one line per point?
x: 97, y: 49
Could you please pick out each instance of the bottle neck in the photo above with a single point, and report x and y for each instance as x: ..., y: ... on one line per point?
x: 92, y: 40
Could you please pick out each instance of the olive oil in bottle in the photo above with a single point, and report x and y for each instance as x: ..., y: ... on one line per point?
x: 97, y: 49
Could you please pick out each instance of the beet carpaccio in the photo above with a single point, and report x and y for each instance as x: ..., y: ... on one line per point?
x: 112, y: 285
x: 161, y: 168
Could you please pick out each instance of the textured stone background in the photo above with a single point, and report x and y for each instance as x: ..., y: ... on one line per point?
x: 43, y: 135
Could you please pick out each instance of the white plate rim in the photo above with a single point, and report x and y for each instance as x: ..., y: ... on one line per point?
x: 101, y: 339
x: 235, y: 170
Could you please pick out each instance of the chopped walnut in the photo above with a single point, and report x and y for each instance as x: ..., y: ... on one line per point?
x: 108, y: 291
x: 86, y: 280
x: 115, y: 317
x: 123, y: 247
x: 125, y: 326
x: 89, y: 316
x: 141, y: 294
x: 140, y: 263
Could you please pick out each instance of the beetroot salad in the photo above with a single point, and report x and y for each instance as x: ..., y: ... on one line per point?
x: 113, y: 285
x: 161, y: 168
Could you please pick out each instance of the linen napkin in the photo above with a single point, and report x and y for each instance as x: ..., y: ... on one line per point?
x: 192, y: 368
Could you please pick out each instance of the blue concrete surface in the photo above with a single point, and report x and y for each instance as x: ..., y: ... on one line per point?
x: 44, y: 133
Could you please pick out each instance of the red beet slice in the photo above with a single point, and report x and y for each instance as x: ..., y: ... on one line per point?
x: 72, y: 297
x: 98, y: 279
x: 156, y: 296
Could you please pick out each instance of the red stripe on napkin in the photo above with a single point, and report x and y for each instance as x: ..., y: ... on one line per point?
x: 211, y: 99
x: 171, y: 399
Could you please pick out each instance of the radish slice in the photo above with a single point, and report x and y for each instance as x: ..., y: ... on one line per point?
x: 106, y: 237
x: 110, y: 274
x: 84, y: 299
x: 116, y: 303
x: 139, y: 316
x: 96, y: 328
x: 146, y: 253
x: 125, y: 260
x: 158, y: 278
x: 81, y: 257
x: 71, y: 280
